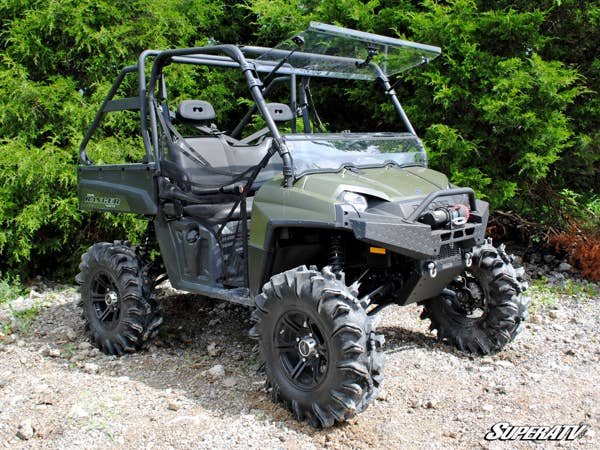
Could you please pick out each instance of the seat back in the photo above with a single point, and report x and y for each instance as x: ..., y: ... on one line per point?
x: 280, y: 112
x: 225, y: 162
x: 195, y: 111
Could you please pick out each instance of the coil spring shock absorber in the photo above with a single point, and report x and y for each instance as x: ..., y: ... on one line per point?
x: 336, y: 253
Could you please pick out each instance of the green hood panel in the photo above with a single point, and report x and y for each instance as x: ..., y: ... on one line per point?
x: 389, y: 183
x: 313, y: 197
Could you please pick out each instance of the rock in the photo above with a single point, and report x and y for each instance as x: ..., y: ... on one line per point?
x: 517, y: 261
x: 558, y: 277
x: 35, y: 294
x: 45, y: 398
x: 487, y: 408
x: 229, y: 382
x: 590, y: 434
x: 431, y: 404
x: 548, y: 258
x: 3, y: 383
x: 535, y: 319
x: 381, y: 395
x: 94, y: 352
x: 212, y: 349
x: 570, y: 352
x: 214, y: 322
x: 216, y: 372
x: 173, y: 406
x: 564, y: 267
x: 451, y: 434
x: 504, y: 364
x: 21, y: 304
x: 51, y: 352
x: 192, y: 420
x: 84, y: 346
x: 78, y: 357
x: 91, y: 368
x: 77, y: 412
x: 415, y: 403
x: 25, y: 430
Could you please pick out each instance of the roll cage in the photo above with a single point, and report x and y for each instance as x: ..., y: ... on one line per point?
x: 289, y: 62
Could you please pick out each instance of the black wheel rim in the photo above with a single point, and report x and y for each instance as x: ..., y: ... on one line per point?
x: 469, y: 296
x: 302, y: 349
x: 105, y: 300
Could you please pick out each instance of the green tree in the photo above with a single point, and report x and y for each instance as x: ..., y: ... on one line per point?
x: 58, y: 59
x: 511, y: 107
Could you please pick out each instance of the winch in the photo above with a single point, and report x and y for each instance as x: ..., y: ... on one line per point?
x: 457, y: 215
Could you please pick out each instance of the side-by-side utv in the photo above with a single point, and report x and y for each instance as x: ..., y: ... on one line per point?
x: 314, y: 229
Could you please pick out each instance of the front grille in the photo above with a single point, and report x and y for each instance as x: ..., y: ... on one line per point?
x: 448, y: 251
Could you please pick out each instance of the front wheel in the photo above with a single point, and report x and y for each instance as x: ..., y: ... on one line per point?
x: 320, y: 351
x: 484, y: 308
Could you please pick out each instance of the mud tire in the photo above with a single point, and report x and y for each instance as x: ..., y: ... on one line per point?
x: 352, y: 374
x: 129, y: 323
x: 505, y: 306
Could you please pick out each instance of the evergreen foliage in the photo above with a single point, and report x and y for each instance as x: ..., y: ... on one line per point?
x: 511, y: 107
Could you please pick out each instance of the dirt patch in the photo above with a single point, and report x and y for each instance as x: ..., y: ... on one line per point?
x: 56, y: 391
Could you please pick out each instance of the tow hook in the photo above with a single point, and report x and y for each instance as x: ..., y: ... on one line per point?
x: 468, y: 259
x: 432, y: 269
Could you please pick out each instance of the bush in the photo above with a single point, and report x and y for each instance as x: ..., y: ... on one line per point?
x: 58, y: 61
x: 583, y: 249
x: 511, y: 107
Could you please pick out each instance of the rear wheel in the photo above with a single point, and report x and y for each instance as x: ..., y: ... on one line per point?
x: 484, y: 309
x: 322, y: 356
x: 120, y: 314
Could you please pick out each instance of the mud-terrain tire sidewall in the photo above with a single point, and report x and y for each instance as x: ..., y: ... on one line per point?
x: 138, y: 311
x: 506, y: 306
x: 354, y: 360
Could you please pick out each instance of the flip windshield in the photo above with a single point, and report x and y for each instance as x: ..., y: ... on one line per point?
x: 334, y: 52
x: 313, y: 153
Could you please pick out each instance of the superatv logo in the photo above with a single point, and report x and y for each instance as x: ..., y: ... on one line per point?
x: 508, y: 432
x: 107, y: 202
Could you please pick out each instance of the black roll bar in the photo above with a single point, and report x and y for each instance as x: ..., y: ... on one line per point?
x: 213, y: 56
x: 443, y: 193
x: 254, y: 83
x: 101, y: 112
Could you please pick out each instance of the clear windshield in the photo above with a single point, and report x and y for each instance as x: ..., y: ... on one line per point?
x: 336, y: 52
x: 332, y: 152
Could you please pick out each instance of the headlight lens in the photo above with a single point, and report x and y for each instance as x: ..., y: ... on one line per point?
x: 352, y: 198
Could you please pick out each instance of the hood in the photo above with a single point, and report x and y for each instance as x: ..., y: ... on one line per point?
x: 389, y: 183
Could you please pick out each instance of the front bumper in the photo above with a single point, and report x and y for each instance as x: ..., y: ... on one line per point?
x: 414, y: 239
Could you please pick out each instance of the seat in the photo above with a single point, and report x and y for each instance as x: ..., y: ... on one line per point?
x: 211, y: 162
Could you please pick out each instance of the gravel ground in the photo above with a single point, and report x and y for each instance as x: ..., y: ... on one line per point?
x: 198, y: 385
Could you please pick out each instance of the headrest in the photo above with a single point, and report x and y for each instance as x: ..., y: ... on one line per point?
x: 280, y: 112
x: 195, y: 111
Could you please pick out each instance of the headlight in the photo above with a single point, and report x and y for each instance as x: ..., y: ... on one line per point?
x: 352, y: 198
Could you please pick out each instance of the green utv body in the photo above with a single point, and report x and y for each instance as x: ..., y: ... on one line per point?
x: 315, y: 230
